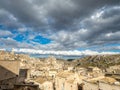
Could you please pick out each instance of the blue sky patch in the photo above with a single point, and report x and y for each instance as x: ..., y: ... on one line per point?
x: 19, y: 38
x: 41, y: 40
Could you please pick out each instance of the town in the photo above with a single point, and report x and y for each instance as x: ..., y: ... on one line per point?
x: 22, y: 72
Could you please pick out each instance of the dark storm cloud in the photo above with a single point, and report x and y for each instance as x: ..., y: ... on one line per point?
x: 8, y: 20
x: 22, y: 10
x: 105, y: 27
x: 56, y: 14
x: 67, y: 13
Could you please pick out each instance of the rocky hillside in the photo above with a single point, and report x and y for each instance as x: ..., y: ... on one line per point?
x: 101, y: 61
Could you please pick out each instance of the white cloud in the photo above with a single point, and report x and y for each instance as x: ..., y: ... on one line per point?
x: 22, y: 29
x: 97, y: 15
x: 74, y: 52
x: 2, y: 49
x: 5, y: 33
x: 112, y: 35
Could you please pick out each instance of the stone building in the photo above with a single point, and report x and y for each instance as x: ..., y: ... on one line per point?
x: 90, y: 85
x: 9, y: 71
x: 66, y: 80
x: 12, y: 77
x: 53, y: 72
x: 45, y: 83
x: 105, y: 83
x: 24, y: 75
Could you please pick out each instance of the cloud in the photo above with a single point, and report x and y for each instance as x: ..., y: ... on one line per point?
x: 22, y: 30
x: 4, y: 33
x: 69, y: 24
x: 54, y: 14
x: 101, y: 24
x: 11, y: 43
x: 73, y: 53
x: 8, y: 20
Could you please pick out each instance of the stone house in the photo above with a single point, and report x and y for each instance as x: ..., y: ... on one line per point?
x: 9, y: 71
x: 11, y: 76
x: 45, y: 83
x: 94, y: 72
x: 71, y: 85
x: 113, y: 69
x: 90, y: 85
x: 107, y: 86
x: 70, y: 68
x: 24, y: 75
x: 105, y: 83
x: 81, y: 71
x: 66, y: 80
x: 53, y: 72
x: 60, y: 79
x: 94, y: 69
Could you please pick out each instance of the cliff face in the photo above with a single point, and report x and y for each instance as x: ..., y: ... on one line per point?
x: 101, y: 61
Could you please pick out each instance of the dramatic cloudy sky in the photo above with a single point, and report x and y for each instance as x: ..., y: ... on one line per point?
x: 89, y: 26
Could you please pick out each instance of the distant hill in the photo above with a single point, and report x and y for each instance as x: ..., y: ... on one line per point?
x: 101, y: 61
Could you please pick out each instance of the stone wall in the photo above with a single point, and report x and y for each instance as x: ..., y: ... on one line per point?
x: 9, y: 69
x: 106, y: 86
x: 90, y: 86
x: 26, y: 87
x: 60, y: 83
x: 71, y: 86
x: 7, y: 84
x: 100, y: 86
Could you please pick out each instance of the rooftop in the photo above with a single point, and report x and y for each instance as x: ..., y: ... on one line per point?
x: 64, y: 74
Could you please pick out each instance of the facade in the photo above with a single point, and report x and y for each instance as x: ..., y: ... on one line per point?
x: 71, y: 85
x: 67, y: 81
x: 70, y: 68
x: 9, y: 71
x: 8, y: 84
x: 90, y: 86
x: 52, y: 72
x: 106, y: 86
x: 12, y: 77
x: 45, y: 83
x: 105, y: 83
x: 24, y: 74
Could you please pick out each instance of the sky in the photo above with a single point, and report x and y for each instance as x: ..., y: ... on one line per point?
x: 67, y: 27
